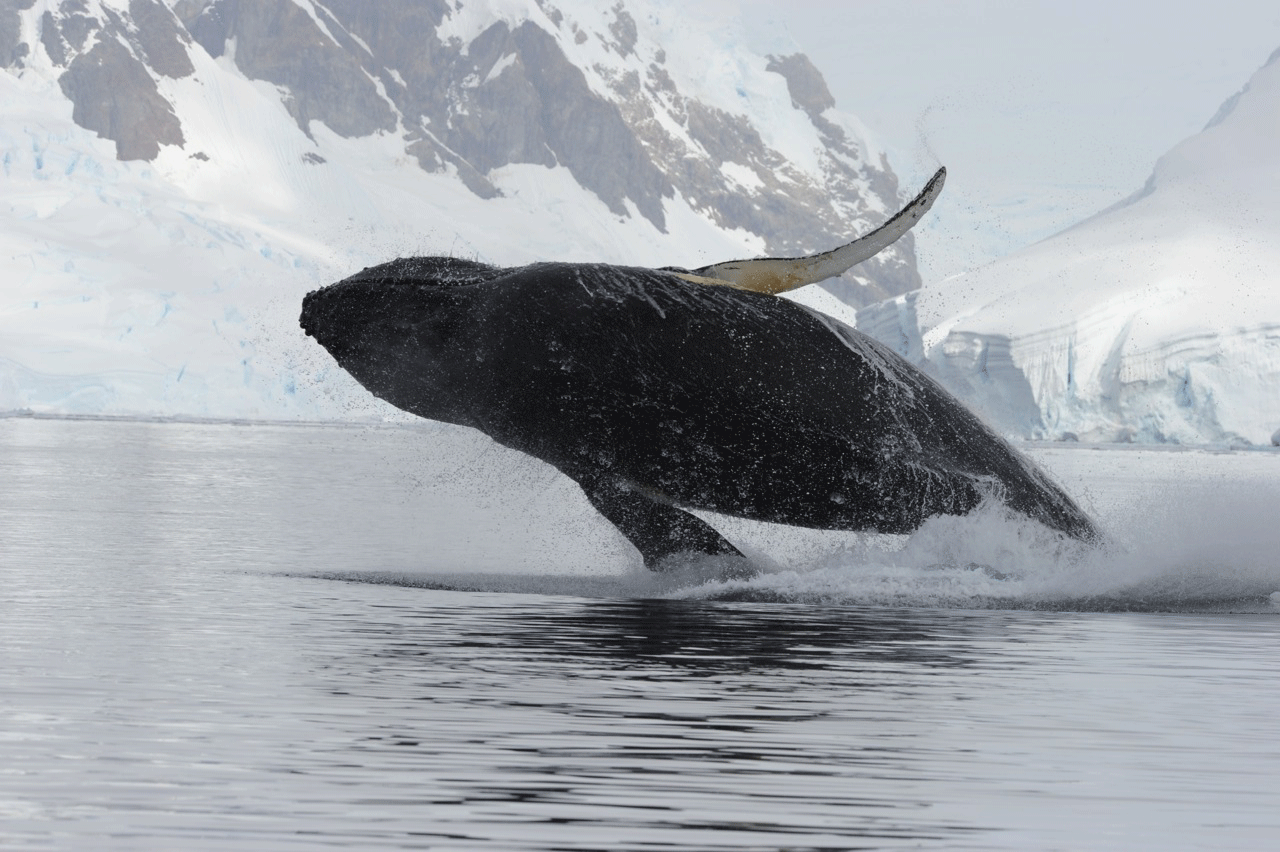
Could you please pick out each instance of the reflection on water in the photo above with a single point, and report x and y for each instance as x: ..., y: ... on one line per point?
x: 173, y: 675
x: 678, y: 634
x: 693, y: 725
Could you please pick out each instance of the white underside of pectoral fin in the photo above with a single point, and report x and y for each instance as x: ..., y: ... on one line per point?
x: 779, y: 274
x: 762, y: 277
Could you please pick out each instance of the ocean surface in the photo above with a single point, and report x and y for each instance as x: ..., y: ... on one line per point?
x: 246, y: 636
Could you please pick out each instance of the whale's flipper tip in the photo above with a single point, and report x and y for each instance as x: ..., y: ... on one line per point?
x: 776, y: 275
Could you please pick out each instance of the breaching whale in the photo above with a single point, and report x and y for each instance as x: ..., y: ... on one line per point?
x: 662, y: 390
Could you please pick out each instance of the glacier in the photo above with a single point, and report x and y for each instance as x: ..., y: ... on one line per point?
x: 1155, y: 321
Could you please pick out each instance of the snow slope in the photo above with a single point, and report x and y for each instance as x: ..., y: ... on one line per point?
x: 171, y: 287
x: 1157, y: 320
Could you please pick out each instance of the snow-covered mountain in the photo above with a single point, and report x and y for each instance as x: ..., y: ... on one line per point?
x: 177, y: 174
x: 1156, y: 320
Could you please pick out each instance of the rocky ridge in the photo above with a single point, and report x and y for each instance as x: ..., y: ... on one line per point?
x: 470, y: 90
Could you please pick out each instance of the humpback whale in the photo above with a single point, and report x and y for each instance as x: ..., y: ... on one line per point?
x: 660, y: 390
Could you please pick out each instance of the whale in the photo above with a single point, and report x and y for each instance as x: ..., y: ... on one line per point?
x: 665, y: 391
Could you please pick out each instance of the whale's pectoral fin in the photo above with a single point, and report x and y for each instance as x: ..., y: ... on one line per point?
x: 779, y: 274
x: 657, y: 530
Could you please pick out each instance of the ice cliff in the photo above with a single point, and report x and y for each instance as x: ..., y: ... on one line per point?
x: 1157, y: 320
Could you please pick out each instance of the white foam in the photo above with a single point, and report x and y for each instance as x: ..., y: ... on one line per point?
x: 1177, y: 538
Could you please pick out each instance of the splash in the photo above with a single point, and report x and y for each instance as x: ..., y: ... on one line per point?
x: 1213, y: 552
x: 1185, y: 530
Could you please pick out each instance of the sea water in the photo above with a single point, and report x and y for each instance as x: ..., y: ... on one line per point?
x: 219, y: 636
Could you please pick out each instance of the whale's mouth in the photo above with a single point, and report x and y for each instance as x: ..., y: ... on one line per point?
x: 307, y: 319
x: 336, y: 317
x: 323, y: 317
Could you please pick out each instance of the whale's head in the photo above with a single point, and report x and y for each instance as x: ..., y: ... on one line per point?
x: 401, y: 329
x: 354, y: 320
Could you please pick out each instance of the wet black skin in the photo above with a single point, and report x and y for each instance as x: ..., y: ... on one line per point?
x: 657, y: 394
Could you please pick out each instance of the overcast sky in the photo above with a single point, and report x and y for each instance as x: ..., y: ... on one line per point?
x: 1043, y: 112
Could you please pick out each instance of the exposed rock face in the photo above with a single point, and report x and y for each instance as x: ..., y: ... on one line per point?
x: 534, y: 106
x: 278, y: 41
x: 808, y: 90
x: 12, y: 48
x: 160, y: 39
x: 114, y: 95
x: 112, y: 60
x: 590, y: 93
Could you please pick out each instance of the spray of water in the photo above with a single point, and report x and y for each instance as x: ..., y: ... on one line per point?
x: 1204, y: 550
